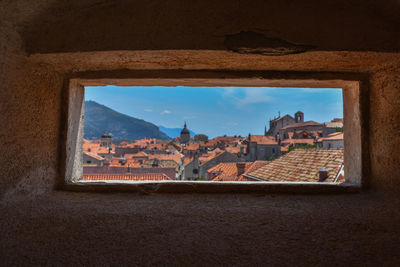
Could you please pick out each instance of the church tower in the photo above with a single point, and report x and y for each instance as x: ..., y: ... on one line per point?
x: 106, y: 140
x: 299, y: 116
x: 185, y: 135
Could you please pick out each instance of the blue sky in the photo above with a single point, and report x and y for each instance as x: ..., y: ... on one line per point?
x: 218, y: 110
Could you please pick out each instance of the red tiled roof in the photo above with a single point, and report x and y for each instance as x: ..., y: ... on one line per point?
x: 156, y: 146
x: 187, y: 160
x: 132, y: 163
x: 139, y: 154
x: 227, y: 138
x: 284, y: 148
x: 127, y: 177
x: 262, y: 140
x: 308, y: 141
x: 228, y: 171
x: 332, y: 136
x: 254, y: 166
x: 301, y: 165
x: 191, y: 147
x: 301, y: 124
x: 233, y: 149
x: 93, y: 155
x: 175, y: 157
x: 209, y: 143
x: 210, y: 155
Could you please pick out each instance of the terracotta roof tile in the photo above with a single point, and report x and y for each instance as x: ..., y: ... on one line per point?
x: 228, y: 171
x: 233, y: 149
x: 332, y: 136
x: 191, y: 147
x: 255, y: 165
x: 93, y: 155
x: 300, y: 124
x: 301, y: 165
x: 175, y: 157
x: 139, y: 154
x: 308, y: 141
x: 210, y: 155
x: 127, y: 177
x: 225, y: 171
x: 262, y: 140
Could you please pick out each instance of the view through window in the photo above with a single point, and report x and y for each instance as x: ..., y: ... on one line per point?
x: 260, y: 134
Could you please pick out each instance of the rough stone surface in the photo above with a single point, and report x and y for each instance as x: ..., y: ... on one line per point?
x: 89, y: 25
x: 203, y: 230
x: 41, y: 226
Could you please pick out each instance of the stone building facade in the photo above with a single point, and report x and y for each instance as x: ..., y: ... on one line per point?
x: 260, y: 147
x: 197, y: 168
x: 276, y: 124
x: 185, y: 135
x: 106, y: 140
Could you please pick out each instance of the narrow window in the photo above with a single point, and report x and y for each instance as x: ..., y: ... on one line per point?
x: 155, y: 133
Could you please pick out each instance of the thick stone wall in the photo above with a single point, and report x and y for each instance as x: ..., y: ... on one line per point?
x: 40, y: 225
x: 30, y: 125
x: 385, y: 128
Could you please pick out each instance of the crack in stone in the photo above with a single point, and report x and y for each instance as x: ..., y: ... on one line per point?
x: 249, y: 42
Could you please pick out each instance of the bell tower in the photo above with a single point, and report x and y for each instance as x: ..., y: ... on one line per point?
x: 299, y: 116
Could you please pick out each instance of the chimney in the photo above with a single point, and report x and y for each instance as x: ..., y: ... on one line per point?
x: 240, y: 167
x: 323, y: 174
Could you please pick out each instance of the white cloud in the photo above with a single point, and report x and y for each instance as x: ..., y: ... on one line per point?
x: 247, y: 95
x: 229, y: 91
x: 148, y: 110
x: 166, y: 111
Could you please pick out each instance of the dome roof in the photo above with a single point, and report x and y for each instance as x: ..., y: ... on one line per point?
x: 106, y: 135
x: 185, y: 131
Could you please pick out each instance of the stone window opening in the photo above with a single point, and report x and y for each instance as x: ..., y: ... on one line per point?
x: 352, y: 112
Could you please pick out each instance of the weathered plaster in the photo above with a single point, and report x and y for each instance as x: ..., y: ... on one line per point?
x: 42, y: 226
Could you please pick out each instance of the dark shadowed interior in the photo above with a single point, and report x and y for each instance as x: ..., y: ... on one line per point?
x: 44, y: 44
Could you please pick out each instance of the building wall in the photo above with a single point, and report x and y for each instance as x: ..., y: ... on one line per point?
x: 262, y: 152
x: 276, y: 126
x: 44, y: 226
x: 328, y: 130
x: 203, y: 168
x: 224, y: 157
x: 188, y: 170
x: 332, y: 144
x: 284, y: 132
x: 121, y: 151
x: 91, y: 160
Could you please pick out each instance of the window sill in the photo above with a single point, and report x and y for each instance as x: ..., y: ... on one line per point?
x: 212, y: 187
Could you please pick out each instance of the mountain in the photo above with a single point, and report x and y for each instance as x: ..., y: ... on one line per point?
x: 100, y: 119
x: 173, y: 132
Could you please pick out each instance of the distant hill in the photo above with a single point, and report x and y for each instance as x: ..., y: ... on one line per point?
x: 173, y: 132
x: 100, y: 119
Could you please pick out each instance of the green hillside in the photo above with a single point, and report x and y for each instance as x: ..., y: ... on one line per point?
x: 100, y: 119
